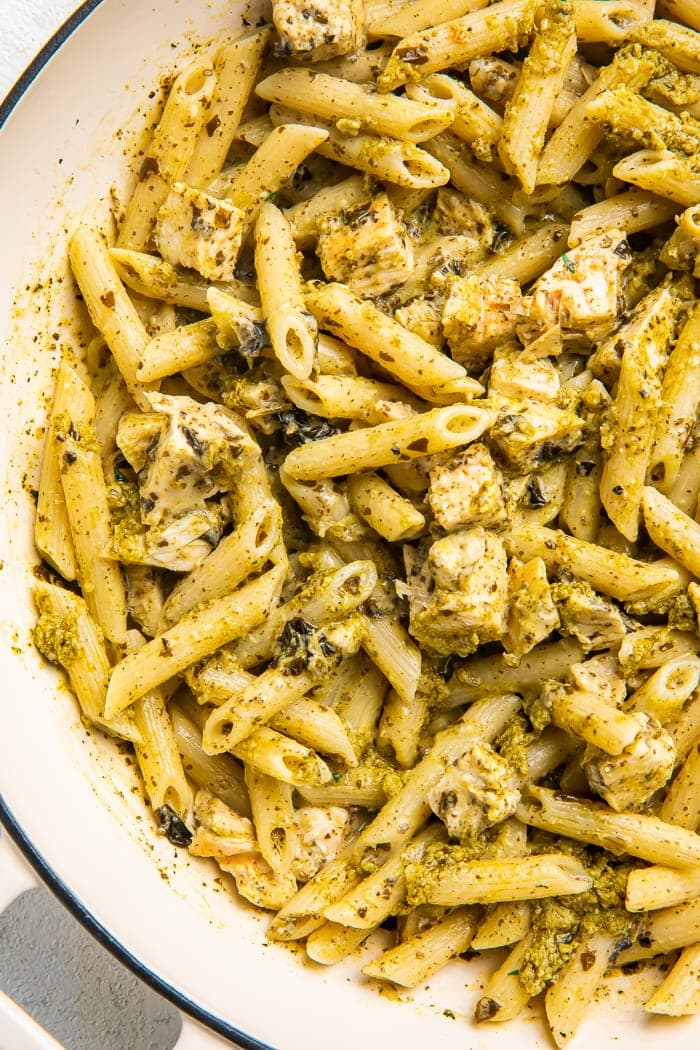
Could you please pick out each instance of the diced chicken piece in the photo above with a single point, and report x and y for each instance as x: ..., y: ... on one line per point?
x: 458, y: 594
x: 479, y: 315
x: 446, y: 257
x: 532, y: 614
x: 517, y: 379
x: 323, y: 831
x: 594, y: 621
x: 424, y: 318
x: 455, y: 213
x: 197, y: 451
x: 477, y: 791
x: 467, y: 490
x: 144, y: 589
x: 367, y: 248
x: 221, y: 833
x: 528, y: 435
x: 630, y: 779
x: 582, y: 287
x: 200, y: 232
x: 602, y: 676
x: 258, y: 883
x: 319, y: 29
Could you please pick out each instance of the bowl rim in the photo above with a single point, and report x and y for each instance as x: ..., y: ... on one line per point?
x: 7, y: 819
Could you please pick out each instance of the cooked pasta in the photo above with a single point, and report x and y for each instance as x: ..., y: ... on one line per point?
x: 397, y: 472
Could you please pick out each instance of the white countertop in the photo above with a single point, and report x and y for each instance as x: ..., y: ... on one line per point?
x: 83, y: 986
x: 27, y: 25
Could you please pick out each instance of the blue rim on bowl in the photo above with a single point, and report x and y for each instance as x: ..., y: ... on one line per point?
x: 16, y: 832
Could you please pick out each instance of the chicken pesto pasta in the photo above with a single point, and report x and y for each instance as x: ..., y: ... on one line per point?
x: 370, y: 509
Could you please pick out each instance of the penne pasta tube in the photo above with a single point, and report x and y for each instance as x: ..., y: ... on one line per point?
x: 606, y: 24
x: 685, y: 491
x: 679, y: 396
x: 649, y: 647
x: 361, y: 786
x: 400, y: 726
x: 685, y: 731
x: 90, y: 520
x: 580, y: 512
x: 274, y: 820
x: 393, y: 517
x: 663, y: 172
x: 527, y: 257
x: 489, y: 881
x: 404, y: 355
x: 317, y: 726
x: 52, y: 534
x: 157, y: 279
x: 667, y: 689
x: 331, y: 98
x: 383, y: 156
x: 671, y: 529
x: 647, y: 337
x: 159, y: 759
x: 678, y: 43
x: 683, y: 11
x: 490, y: 675
x: 273, y: 163
x: 681, y: 805
x: 184, y: 347
x: 394, y: 442
x: 505, y: 924
x: 664, y: 931
x: 278, y: 756
x: 570, y: 993
x: 661, y: 887
x: 528, y: 112
x: 504, y: 996
x: 593, y: 719
x: 416, y: 959
x: 618, y: 575
x: 639, y: 834
x: 257, y: 702
x: 358, y: 66
x: 394, y: 652
x: 412, y: 17
x: 196, y: 635
x: 679, y: 995
x: 67, y: 635
x: 292, y: 329
x: 457, y: 42
x: 169, y: 152
x: 236, y: 67
x: 632, y: 211
x: 349, y: 397
x: 331, y: 943
x: 110, y: 308
x: 636, y: 119
x: 238, y: 555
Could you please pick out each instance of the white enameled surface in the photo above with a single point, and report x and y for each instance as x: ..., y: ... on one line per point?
x: 72, y: 794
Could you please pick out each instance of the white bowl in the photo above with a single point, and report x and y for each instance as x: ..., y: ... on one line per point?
x: 68, y: 797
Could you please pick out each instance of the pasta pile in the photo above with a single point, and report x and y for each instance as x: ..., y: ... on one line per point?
x: 370, y: 512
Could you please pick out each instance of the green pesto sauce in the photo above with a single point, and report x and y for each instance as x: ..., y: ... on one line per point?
x: 560, y: 924
x: 57, y: 638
